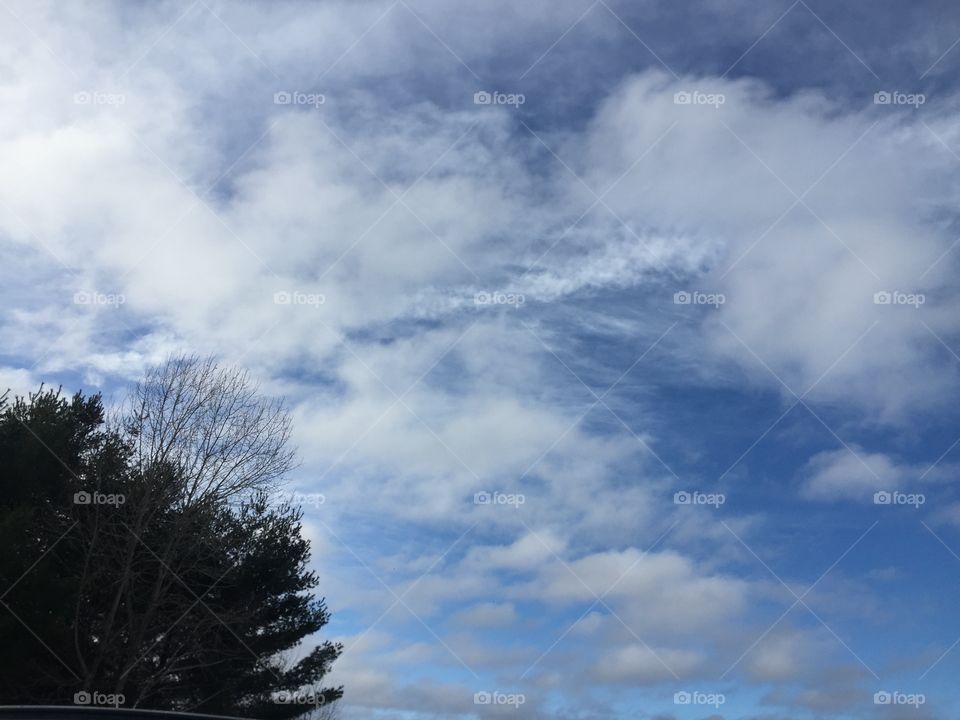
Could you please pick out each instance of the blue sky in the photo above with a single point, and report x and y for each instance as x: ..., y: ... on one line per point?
x: 702, y: 247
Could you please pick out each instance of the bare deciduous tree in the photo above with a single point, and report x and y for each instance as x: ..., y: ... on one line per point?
x: 209, y: 424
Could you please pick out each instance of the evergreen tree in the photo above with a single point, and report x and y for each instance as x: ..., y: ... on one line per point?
x: 147, y: 561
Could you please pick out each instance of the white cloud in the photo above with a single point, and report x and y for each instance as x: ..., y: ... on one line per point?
x: 855, y: 474
x: 487, y: 614
x: 102, y: 197
x: 637, y: 663
x: 529, y: 552
x: 17, y: 381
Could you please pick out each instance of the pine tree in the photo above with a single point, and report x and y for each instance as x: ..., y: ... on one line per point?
x: 146, y: 560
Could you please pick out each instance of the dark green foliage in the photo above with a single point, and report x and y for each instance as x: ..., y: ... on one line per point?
x: 174, y: 604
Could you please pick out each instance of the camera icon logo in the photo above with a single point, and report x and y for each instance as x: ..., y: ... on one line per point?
x: 82, y: 498
x: 681, y: 498
x: 681, y: 298
x: 282, y: 298
x: 682, y: 698
x: 482, y: 97
x: 882, y: 498
x: 81, y: 698
x: 882, y: 98
x: 482, y: 698
x: 882, y: 698
x: 282, y: 98
x: 482, y: 498
x: 882, y: 298
x: 682, y: 98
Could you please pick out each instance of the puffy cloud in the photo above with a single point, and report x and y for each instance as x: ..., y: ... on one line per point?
x: 854, y: 474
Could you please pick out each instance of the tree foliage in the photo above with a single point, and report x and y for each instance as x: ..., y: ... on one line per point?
x: 144, y: 558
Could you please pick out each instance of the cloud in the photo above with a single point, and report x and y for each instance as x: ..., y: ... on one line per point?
x: 639, y: 664
x: 854, y: 474
x: 382, y: 212
x: 527, y: 553
x: 487, y: 614
x: 799, y: 212
x: 948, y: 515
x: 17, y: 381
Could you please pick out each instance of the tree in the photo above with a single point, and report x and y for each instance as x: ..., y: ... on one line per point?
x: 265, y: 611
x: 182, y: 586
x: 208, y: 424
x: 49, y: 446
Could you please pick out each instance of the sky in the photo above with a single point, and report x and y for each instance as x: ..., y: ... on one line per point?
x: 621, y: 338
